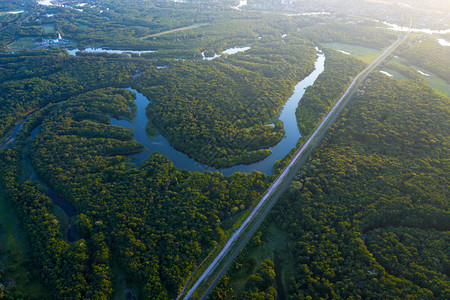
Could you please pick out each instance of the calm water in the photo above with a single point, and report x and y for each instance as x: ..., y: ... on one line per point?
x: 102, y: 50
x: 9, y: 141
x: 15, y: 12
x: 183, y: 161
x: 444, y: 43
x: 241, y: 4
x: 45, y: 2
x: 235, y: 50
x: 66, y: 206
x: 422, y: 30
x: 229, y: 51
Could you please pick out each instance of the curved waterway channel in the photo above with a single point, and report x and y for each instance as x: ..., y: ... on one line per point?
x: 183, y: 161
x: 62, y: 203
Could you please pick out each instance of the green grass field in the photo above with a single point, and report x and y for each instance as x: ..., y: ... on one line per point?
x: 274, y: 246
x: 121, y: 283
x: 437, y: 83
x: 14, y: 248
x: 173, y: 30
x: 395, y: 74
x: 49, y: 28
x: 23, y: 43
x: 367, y: 55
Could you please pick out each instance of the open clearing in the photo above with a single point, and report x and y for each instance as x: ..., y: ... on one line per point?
x: 436, y: 82
x: 14, y: 247
x: 174, y: 30
x: 23, y: 43
x: 439, y: 84
x: 48, y: 28
x: 274, y: 246
x: 365, y: 54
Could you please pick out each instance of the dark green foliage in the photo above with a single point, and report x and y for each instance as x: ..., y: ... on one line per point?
x: 68, y: 269
x: 383, y: 165
x: 158, y: 221
x: 261, y: 284
x: 365, y: 36
x: 340, y: 69
x: 3, y: 265
x: 31, y: 82
x: 222, y: 290
x: 217, y: 112
x: 368, y: 215
x: 420, y: 256
x: 383, y: 177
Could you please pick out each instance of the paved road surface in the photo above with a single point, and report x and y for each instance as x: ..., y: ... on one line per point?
x: 276, y: 187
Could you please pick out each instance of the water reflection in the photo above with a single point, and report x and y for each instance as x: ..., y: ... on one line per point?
x: 103, y: 50
x: 183, y: 161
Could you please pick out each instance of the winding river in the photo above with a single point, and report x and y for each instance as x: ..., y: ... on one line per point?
x: 62, y: 203
x: 396, y: 27
x: 9, y: 141
x: 229, y: 51
x: 66, y: 206
x: 183, y: 161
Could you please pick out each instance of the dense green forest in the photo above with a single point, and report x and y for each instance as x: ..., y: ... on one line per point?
x: 340, y: 69
x: 364, y: 35
x: 112, y: 23
x: 222, y: 112
x: 3, y: 254
x: 30, y: 81
x: 219, y: 113
x: 368, y: 215
x: 157, y: 223
x: 126, y: 212
x: 140, y: 24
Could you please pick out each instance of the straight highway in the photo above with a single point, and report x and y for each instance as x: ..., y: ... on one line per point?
x: 244, y: 232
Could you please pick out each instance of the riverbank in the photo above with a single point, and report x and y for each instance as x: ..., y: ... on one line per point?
x: 184, y: 161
